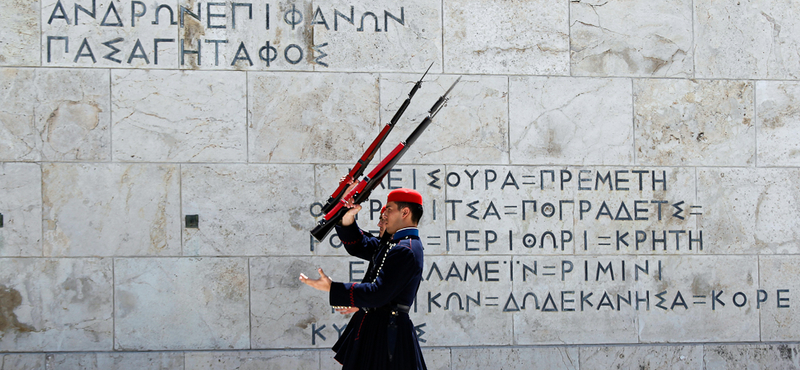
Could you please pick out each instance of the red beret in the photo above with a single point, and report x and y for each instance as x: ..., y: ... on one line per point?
x: 405, y: 195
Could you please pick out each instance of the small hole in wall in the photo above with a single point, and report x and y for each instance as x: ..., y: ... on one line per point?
x: 192, y: 221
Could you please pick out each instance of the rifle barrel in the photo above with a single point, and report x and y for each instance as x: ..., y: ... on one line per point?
x: 364, y: 188
x: 366, y: 158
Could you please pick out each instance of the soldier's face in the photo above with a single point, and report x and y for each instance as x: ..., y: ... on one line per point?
x: 393, y: 217
x: 382, y: 222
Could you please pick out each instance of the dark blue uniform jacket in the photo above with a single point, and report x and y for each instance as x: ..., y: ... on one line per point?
x: 397, y: 281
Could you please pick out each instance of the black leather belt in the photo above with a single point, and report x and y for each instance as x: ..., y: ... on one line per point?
x: 401, y: 308
x: 394, y: 309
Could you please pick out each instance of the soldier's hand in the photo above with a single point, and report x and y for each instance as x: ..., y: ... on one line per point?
x: 323, y: 283
x: 346, y: 310
x: 350, y: 216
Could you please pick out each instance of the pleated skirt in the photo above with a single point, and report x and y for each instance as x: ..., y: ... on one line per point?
x: 364, y: 343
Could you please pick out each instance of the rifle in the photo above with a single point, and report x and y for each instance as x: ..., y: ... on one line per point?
x: 365, y: 187
x: 363, y: 162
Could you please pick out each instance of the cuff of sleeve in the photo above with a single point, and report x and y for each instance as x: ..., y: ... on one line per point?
x: 349, y: 233
x: 339, y: 294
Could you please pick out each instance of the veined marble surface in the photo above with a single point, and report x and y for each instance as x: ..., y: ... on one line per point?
x: 557, y: 120
x: 694, y: 122
x: 779, y: 310
x: 116, y: 361
x: 56, y: 304
x: 661, y: 357
x: 21, y: 204
x: 478, y: 135
x: 778, y: 123
x: 247, y: 209
x: 750, y: 211
x: 52, y: 114
x: 111, y: 209
x: 517, y: 37
x: 179, y: 116
x: 516, y: 358
x: 181, y: 303
x: 631, y: 38
x: 20, y: 33
x: 311, y: 118
x: 754, y: 39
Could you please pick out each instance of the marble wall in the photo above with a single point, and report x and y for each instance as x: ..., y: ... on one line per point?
x: 613, y: 184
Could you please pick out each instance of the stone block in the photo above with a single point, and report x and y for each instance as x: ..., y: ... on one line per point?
x: 384, y: 35
x: 437, y: 358
x: 516, y: 358
x: 634, y: 210
x: 460, y: 302
x: 752, y: 40
x: 778, y: 123
x: 55, y: 305
x: 701, y: 299
x: 22, y: 362
x: 247, y: 209
x: 179, y: 116
x: 285, y: 313
x: 694, y: 122
x: 326, y: 360
x: 110, y: 34
x: 575, y: 300
x: 54, y: 115
x: 507, y: 210
x: 751, y: 356
x: 311, y: 118
x: 252, y: 360
x: 457, y: 134
x: 115, y: 361
x: 482, y: 36
x: 181, y: 303
x: 21, y: 209
x: 110, y: 209
x: 570, y: 121
x: 749, y: 211
x: 20, y: 33
x: 642, y: 357
x: 620, y: 38
x: 779, y: 291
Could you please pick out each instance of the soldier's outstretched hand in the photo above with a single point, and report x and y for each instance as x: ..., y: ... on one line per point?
x: 323, y: 283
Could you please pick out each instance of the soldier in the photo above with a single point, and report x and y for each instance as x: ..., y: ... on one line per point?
x: 380, y: 335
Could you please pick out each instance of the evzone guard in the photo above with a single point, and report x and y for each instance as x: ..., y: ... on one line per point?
x: 380, y: 335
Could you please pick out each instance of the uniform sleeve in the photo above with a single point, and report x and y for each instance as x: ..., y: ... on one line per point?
x: 356, y: 242
x: 397, y: 272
